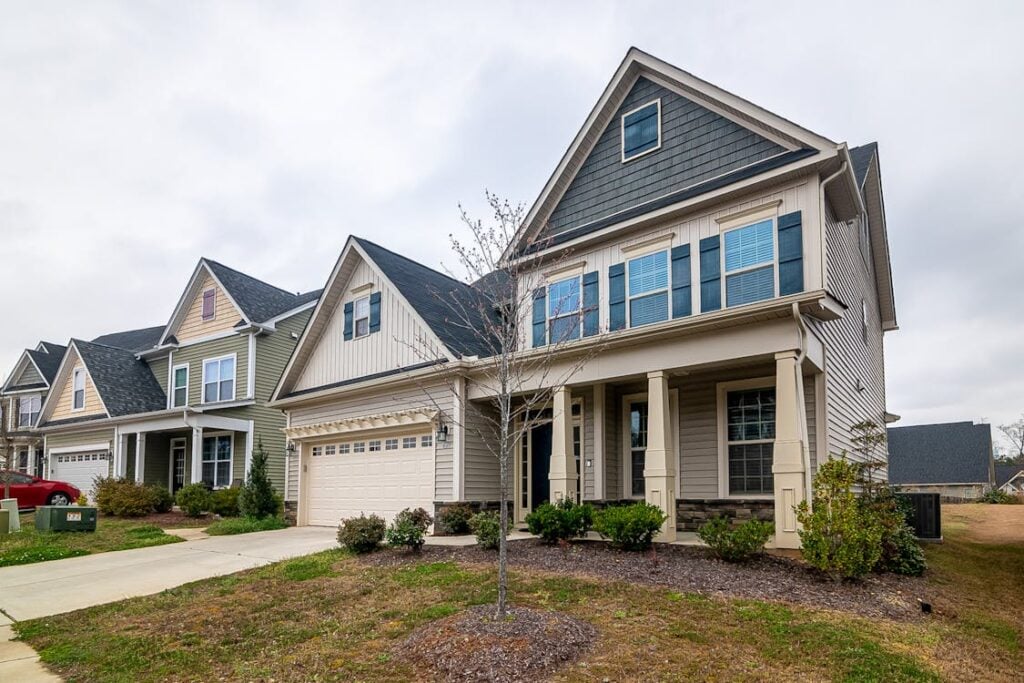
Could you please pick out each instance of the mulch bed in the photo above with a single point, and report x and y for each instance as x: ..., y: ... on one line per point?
x: 694, y: 570
x: 474, y: 646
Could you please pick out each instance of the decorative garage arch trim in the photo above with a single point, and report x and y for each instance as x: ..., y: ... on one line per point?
x: 401, y: 418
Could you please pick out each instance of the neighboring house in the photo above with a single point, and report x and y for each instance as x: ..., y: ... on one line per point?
x: 182, y: 402
x: 734, y: 269
x: 1010, y: 479
x: 952, y: 459
x: 23, y: 394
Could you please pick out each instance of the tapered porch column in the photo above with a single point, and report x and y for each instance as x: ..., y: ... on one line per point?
x: 197, y: 455
x: 562, y: 471
x: 659, y: 465
x: 788, y: 461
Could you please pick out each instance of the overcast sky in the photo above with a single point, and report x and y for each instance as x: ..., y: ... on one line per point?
x: 137, y: 137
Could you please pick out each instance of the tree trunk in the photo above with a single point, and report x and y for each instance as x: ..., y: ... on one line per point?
x: 503, y: 515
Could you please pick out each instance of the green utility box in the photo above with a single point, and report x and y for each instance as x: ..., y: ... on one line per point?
x: 65, y: 518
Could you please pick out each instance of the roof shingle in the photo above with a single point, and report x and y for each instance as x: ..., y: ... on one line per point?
x: 951, y: 453
x: 258, y: 300
x: 125, y: 384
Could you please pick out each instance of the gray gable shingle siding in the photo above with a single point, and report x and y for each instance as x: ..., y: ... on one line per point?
x: 125, y: 383
x: 696, y: 145
x: 953, y: 453
x: 48, y: 363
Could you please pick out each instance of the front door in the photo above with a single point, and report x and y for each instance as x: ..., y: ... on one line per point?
x: 177, y: 465
x: 540, y: 452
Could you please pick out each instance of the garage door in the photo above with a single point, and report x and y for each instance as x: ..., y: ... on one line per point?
x: 379, y: 475
x: 79, y: 469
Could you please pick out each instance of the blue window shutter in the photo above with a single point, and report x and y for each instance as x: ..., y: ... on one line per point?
x: 375, y: 312
x: 591, y: 309
x: 791, y: 254
x: 348, y: 321
x: 617, y: 297
x: 540, y: 337
x: 710, y: 274
x: 682, y: 305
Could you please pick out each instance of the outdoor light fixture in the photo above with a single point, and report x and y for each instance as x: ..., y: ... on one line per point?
x: 290, y: 448
x: 442, y: 433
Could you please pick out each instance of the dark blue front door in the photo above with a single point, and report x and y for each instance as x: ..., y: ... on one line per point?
x: 540, y: 444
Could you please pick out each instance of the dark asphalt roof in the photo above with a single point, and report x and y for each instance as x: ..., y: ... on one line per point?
x: 48, y: 363
x: 125, y: 383
x: 1005, y: 473
x: 951, y: 453
x: 132, y: 340
x: 861, y: 158
x: 259, y: 300
x: 442, y: 301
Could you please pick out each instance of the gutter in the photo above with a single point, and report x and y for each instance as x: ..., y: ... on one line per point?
x: 821, y: 214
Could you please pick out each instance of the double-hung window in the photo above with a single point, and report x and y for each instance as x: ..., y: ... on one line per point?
x: 217, y: 460
x: 78, y: 389
x: 179, y: 386
x: 361, y: 317
x: 28, y: 410
x: 641, y: 130
x: 750, y: 263
x: 219, y: 379
x: 564, y: 310
x: 750, y: 439
x: 648, y: 288
x: 209, y: 304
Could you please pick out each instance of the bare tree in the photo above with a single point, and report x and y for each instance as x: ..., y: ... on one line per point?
x: 1014, y: 433
x: 495, y: 310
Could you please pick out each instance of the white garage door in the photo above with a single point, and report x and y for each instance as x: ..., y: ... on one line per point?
x: 380, y: 475
x: 79, y: 469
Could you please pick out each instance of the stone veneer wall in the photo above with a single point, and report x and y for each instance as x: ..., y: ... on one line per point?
x: 691, y: 514
x: 291, y: 512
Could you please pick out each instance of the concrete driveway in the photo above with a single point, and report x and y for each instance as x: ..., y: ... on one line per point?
x: 47, y: 588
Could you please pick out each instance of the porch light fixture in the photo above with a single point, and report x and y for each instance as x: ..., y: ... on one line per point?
x: 442, y: 433
x: 290, y: 448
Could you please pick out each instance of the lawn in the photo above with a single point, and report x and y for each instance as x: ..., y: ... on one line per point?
x: 29, y: 545
x: 333, y: 617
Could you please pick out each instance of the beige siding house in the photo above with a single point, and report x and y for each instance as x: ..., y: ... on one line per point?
x: 22, y: 395
x: 724, y: 271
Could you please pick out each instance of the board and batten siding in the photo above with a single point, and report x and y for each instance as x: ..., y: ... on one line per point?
x: 398, y: 344
x: 848, y: 358
x: 92, y: 406
x: 195, y: 354
x: 225, y: 317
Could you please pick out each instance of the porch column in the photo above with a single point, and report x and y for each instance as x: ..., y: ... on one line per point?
x: 140, y: 456
x: 121, y: 456
x: 790, y: 440
x: 197, y: 455
x: 659, y: 466
x: 562, y: 471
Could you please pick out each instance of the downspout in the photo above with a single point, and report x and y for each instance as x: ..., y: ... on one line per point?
x: 821, y: 213
x: 801, y: 354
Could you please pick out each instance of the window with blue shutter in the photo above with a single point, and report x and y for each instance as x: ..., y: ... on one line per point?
x: 710, y: 274
x: 648, y: 289
x: 641, y: 130
x: 375, y: 312
x: 617, y: 296
x: 564, y: 310
x: 540, y: 320
x: 791, y: 254
x: 348, y: 321
x: 591, y: 304
x: 682, y: 304
x: 750, y: 263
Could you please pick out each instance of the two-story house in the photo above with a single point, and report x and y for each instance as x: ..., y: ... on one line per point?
x: 182, y: 402
x: 23, y: 394
x: 732, y: 268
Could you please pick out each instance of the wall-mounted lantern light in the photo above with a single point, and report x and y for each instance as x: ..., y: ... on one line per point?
x: 442, y: 433
x: 290, y: 448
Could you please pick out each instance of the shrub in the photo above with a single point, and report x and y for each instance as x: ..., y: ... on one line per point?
x: 163, y: 501
x: 739, y: 543
x: 487, y: 528
x: 630, y: 527
x: 560, y: 522
x: 123, y: 497
x: 224, y: 502
x: 840, y: 535
x: 82, y: 500
x: 245, y: 525
x: 256, y: 499
x: 998, y: 497
x: 361, y: 534
x: 454, y: 520
x: 408, y: 529
x: 900, y: 552
x: 193, y: 499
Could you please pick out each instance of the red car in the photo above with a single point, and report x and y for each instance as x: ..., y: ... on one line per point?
x: 33, y: 491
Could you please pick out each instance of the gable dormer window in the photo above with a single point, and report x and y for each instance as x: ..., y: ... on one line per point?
x: 78, y: 389
x: 641, y: 130
x: 209, y: 303
x: 361, y: 316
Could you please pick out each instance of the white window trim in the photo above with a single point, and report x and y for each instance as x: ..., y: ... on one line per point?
x: 231, y: 458
x: 355, y: 319
x: 626, y: 462
x: 75, y: 374
x: 668, y: 286
x: 202, y: 300
x: 622, y: 132
x: 174, y: 372
x: 234, y: 384
x: 561, y: 314
x: 722, y: 389
x: 774, y: 263
x: 33, y: 416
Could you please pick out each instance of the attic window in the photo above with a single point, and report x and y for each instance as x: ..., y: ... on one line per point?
x: 361, y: 316
x: 641, y: 130
x: 78, y: 389
x: 209, y: 303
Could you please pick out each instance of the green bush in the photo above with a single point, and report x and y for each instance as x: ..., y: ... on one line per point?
x: 841, y: 536
x: 901, y: 553
x: 630, y: 527
x: 224, y: 502
x: 739, y: 543
x: 193, y: 499
x: 998, y: 497
x: 361, y: 534
x: 245, y: 525
x: 560, y: 522
x: 453, y: 521
x: 408, y: 529
x: 487, y: 528
x: 163, y: 501
x: 123, y: 497
x: 257, y: 498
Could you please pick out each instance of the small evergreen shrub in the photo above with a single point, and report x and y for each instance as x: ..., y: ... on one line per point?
x: 630, y: 527
x: 487, y: 528
x: 193, y: 499
x: 257, y: 498
x: 224, y: 502
x: 163, y: 501
x: 900, y: 551
x: 739, y: 543
x: 408, y: 529
x: 82, y: 500
x: 361, y: 534
x: 560, y: 522
x: 454, y: 520
x: 122, y: 497
x: 998, y: 497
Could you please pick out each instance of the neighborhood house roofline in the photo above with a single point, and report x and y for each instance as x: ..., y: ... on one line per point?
x: 19, y: 367
x: 62, y: 377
